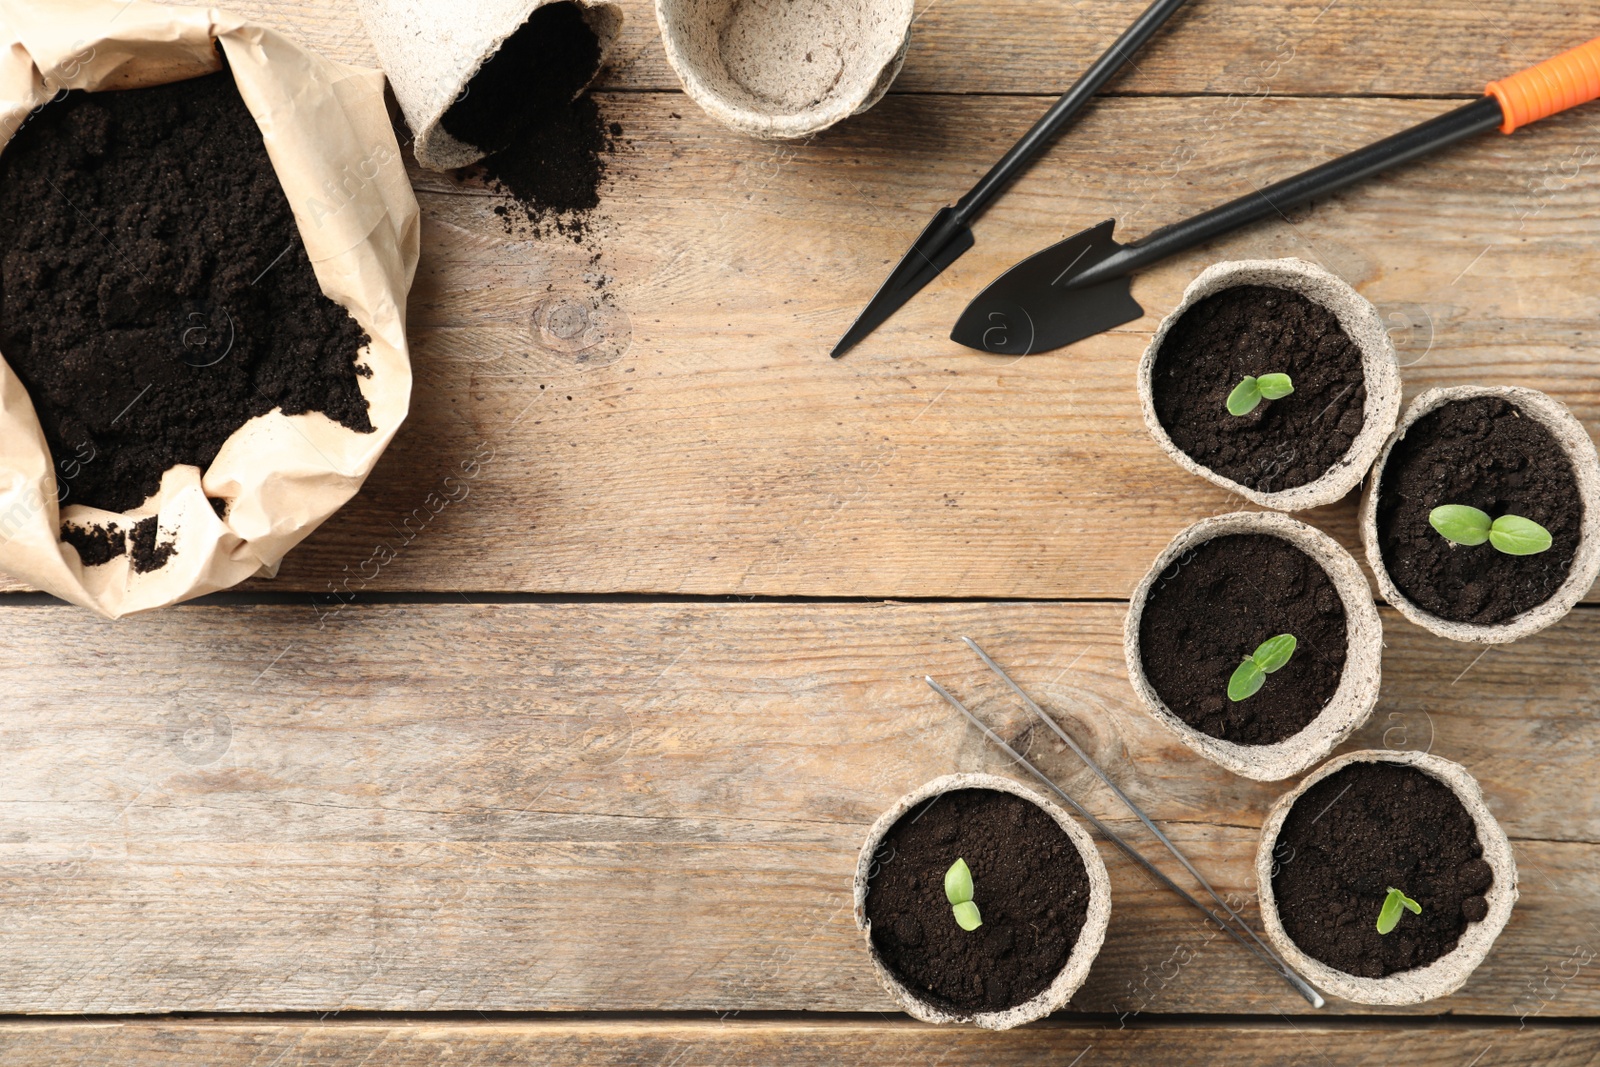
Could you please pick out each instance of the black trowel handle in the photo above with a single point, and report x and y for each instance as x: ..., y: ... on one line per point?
x: 1480, y: 116
x: 1038, y: 138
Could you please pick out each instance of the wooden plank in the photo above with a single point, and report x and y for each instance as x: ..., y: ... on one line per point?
x: 1249, y: 48
x: 734, y: 1042
x: 708, y: 445
x: 651, y: 806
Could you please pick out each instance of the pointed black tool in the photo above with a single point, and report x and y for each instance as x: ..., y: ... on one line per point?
x: 948, y: 236
x: 1080, y: 287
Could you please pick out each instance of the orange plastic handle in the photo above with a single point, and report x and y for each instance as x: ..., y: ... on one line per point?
x: 1570, y: 79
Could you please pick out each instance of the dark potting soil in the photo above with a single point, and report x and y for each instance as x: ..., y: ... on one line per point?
x: 1352, y: 836
x: 1485, y: 453
x: 1256, y: 330
x: 154, y: 292
x: 1214, y: 607
x: 1029, y: 883
x: 548, y: 150
x: 553, y: 174
x: 147, y: 553
x: 102, y: 544
x: 95, y: 544
x: 539, y: 68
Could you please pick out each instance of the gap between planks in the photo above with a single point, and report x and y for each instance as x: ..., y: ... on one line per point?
x: 799, y: 1039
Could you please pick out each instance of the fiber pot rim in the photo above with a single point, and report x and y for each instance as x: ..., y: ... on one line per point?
x: 1444, y: 975
x: 1084, y: 950
x: 1360, y: 322
x: 777, y: 125
x: 1580, y: 451
x: 1352, y: 702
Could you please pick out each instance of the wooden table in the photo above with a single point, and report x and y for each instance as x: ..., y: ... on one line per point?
x: 597, y: 749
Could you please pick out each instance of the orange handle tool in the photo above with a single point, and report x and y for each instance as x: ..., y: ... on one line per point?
x: 1565, y: 81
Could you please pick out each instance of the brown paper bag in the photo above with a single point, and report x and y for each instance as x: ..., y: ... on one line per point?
x: 328, y: 135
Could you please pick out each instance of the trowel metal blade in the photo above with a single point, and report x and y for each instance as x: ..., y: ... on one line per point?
x: 1029, y: 308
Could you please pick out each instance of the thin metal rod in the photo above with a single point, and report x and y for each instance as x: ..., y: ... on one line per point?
x: 1294, y: 979
x: 1041, y: 133
x: 1468, y: 120
x: 1111, y: 835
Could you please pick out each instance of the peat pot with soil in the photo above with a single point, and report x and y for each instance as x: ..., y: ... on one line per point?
x: 1383, y: 877
x: 1273, y: 379
x: 203, y: 279
x: 981, y: 902
x: 1254, y: 638
x: 1482, y: 518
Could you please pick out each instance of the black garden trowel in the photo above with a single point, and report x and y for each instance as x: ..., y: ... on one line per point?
x: 949, y: 235
x: 1081, y: 286
x: 1033, y: 307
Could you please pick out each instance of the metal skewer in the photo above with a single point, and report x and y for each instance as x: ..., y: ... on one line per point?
x: 1259, y: 948
x: 1109, y: 834
x: 1294, y: 979
x: 1127, y: 801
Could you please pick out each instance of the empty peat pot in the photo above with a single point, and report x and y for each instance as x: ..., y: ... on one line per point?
x: 1503, y: 451
x: 1220, y: 589
x: 1038, y: 883
x: 1281, y: 317
x: 781, y: 69
x: 1362, y: 824
x: 472, y: 77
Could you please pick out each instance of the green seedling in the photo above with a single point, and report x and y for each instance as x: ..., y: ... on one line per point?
x: 1248, y: 394
x: 1389, y: 916
x: 958, y: 890
x: 1251, y: 675
x: 1511, y: 534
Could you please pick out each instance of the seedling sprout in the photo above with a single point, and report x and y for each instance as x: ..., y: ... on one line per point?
x: 1251, y: 675
x: 1511, y: 534
x: 958, y: 890
x: 1249, y: 394
x: 1389, y: 916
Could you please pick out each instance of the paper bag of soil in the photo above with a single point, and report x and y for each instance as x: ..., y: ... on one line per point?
x: 277, y: 477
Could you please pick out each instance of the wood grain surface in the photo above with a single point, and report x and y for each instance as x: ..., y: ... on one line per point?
x: 1248, y: 48
x: 719, y: 271
x: 704, y: 443
x: 653, y: 806
x: 441, y: 765
x: 733, y: 1042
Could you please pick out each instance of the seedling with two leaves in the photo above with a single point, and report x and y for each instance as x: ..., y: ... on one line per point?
x: 958, y: 890
x: 1389, y: 916
x: 1248, y: 394
x: 1511, y: 534
x: 1251, y: 675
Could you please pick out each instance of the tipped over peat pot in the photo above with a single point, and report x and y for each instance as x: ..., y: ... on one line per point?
x: 1272, y: 316
x: 1365, y: 822
x: 480, y: 77
x: 1038, y: 882
x: 1502, y: 450
x: 1220, y: 589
